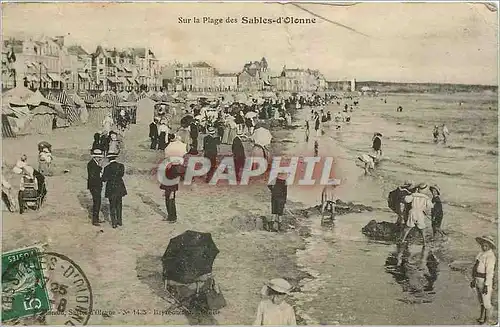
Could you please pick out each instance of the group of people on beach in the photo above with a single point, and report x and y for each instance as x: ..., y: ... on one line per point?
x: 443, y: 131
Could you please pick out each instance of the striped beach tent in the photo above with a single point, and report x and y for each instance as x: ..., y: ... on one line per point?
x: 40, y: 121
x: 110, y: 97
x: 89, y: 98
x: 70, y: 109
x: 97, y: 112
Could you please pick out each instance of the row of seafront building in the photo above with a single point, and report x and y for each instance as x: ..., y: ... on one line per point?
x: 47, y: 63
x: 254, y: 76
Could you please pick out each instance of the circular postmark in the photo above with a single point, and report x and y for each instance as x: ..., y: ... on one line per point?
x: 45, y: 286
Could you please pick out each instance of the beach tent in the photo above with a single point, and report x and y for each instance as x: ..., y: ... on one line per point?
x: 129, y: 107
x: 145, y: 111
x: 97, y: 112
x: 8, y: 126
x: 17, y: 96
x: 82, y: 108
x: 37, y: 99
x: 40, y: 121
x: 70, y: 110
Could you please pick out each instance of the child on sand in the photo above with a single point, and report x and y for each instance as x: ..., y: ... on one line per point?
x: 275, y: 311
x: 44, y: 162
x: 482, y: 277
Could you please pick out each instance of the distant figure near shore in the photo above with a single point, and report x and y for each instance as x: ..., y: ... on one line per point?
x: 399, y: 109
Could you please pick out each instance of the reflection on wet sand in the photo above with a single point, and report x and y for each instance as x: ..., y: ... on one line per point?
x: 417, y: 273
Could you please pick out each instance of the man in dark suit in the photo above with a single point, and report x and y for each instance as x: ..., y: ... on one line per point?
x: 94, y: 183
x: 153, y: 134
x: 210, y: 150
x: 115, y: 188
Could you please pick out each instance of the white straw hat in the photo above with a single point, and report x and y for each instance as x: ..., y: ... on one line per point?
x: 279, y: 285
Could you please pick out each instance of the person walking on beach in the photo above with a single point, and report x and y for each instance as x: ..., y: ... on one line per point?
x: 420, y: 203
x: 436, y: 211
x: 435, y: 134
x: 115, y: 188
x: 307, y: 130
x: 94, y: 183
x: 444, y: 132
x: 317, y: 122
x: 278, y: 201
x: 174, y: 170
x: 482, y: 277
x: 153, y: 134
x: 275, y: 311
x: 239, y: 156
x: 210, y: 151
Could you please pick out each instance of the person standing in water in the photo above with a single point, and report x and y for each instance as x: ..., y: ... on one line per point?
x: 435, y: 134
x: 328, y: 201
x: 278, y: 200
x: 482, y: 277
x: 377, y: 143
x: 420, y: 203
x: 444, y: 132
x: 436, y: 211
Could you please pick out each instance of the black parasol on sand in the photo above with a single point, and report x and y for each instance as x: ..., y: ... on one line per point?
x: 189, y: 256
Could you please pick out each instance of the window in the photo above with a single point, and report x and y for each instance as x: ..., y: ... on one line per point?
x: 101, y: 61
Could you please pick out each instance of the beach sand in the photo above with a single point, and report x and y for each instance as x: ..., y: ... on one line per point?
x: 340, y: 272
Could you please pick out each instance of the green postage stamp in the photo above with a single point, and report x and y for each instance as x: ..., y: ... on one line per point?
x: 24, y: 292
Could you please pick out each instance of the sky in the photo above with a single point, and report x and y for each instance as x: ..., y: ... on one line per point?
x: 403, y: 42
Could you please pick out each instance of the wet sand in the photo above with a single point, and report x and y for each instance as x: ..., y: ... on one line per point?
x: 352, y: 285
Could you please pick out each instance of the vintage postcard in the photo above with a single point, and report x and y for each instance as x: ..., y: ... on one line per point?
x: 249, y: 163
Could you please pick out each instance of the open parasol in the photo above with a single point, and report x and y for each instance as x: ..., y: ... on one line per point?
x: 262, y: 136
x: 176, y: 149
x: 189, y: 256
x: 251, y: 114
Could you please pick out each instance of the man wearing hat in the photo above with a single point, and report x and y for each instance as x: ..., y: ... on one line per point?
x: 274, y: 311
x: 420, y: 203
x: 153, y: 133
x: 115, y: 188
x: 482, y: 276
x: 239, y: 155
x: 210, y: 151
x: 94, y: 183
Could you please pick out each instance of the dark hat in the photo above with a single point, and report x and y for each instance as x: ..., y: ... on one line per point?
x: 435, y: 188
